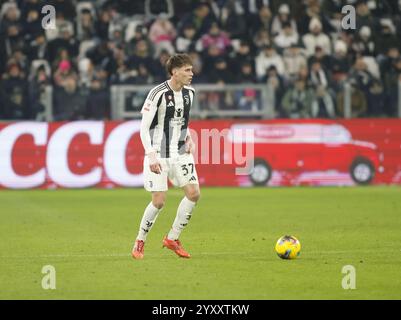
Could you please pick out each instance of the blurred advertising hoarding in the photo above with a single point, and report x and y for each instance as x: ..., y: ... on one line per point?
x: 278, y: 152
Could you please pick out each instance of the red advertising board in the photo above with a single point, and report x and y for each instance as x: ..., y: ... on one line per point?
x: 280, y: 152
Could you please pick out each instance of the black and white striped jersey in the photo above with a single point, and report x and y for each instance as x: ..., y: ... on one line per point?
x: 165, y: 117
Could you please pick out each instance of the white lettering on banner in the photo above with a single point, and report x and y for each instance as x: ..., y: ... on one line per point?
x: 8, y: 136
x: 57, y: 154
x: 114, y: 155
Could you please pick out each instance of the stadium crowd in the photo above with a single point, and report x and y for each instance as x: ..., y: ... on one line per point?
x: 298, y: 47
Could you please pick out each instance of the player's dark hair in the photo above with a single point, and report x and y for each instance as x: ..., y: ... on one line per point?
x: 177, y: 61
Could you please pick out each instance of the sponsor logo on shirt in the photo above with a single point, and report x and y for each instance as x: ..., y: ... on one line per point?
x: 146, y: 107
x: 177, y: 122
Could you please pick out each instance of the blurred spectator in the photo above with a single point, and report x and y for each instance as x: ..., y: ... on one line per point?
x: 98, y: 101
x: 283, y: 18
x: 391, y: 83
x: 253, y: 7
x: 10, y: 15
x: 162, y: 33
x: 376, y: 99
x: 230, y: 15
x: 386, y: 62
x: 358, y: 102
x: 313, y: 12
x: 361, y: 74
x: 186, y: 41
x: 197, y: 68
x: 209, y: 57
x: 303, y: 74
x: 201, y: 18
x: 65, y: 41
x: 387, y: 37
x: 37, y: 87
x: 336, y: 20
x: 382, y: 7
x: 322, y: 104
x: 14, y: 94
x: 267, y: 58
x: 20, y: 58
x: 102, y: 24
x: 64, y: 73
x: 318, y: 76
x: 66, y: 7
x: 340, y: 64
x: 218, y: 38
x: 363, y: 15
x: 31, y: 22
x: 261, y: 39
x: 86, y: 71
x: 297, y: 100
x: 364, y: 44
x: 129, y: 7
x: 221, y: 73
x: 116, y: 38
x: 331, y: 7
x: 322, y: 57
x: 69, y: 103
x: 140, y: 34
x: 286, y: 37
x: 144, y: 75
x: 123, y: 74
x: 37, y: 48
x: 241, y: 55
x: 102, y: 57
x: 316, y: 38
x: 159, y: 70
x: 61, y: 23
x: 155, y: 8
x: 62, y: 54
x: 86, y: 25
x: 142, y: 55
x: 27, y: 6
x: 276, y: 83
x: 261, y: 20
x: 11, y: 29
x: 294, y: 59
x: 246, y: 73
x: 247, y: 100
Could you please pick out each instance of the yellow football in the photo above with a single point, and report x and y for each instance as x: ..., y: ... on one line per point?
x: 288, y: 247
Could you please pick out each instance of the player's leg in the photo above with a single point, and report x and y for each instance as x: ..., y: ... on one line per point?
x: 148, y: 220
x: 184, y: 211
x: 151, y: 213
x: 185, y: 176
x: 157, y: 184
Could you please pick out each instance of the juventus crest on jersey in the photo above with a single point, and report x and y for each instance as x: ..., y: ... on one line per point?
x: 166, y: 113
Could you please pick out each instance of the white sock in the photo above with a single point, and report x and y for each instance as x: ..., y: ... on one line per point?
x: 148, y: 220
x: 184, y: 213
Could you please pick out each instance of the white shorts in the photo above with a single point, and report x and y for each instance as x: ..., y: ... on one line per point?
x: 179, y: 170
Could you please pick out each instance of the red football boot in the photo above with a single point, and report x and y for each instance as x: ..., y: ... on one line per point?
x: 176, y: 246
x: 137, y: 251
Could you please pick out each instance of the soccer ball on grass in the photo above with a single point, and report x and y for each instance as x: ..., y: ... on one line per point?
x: 288, y: 247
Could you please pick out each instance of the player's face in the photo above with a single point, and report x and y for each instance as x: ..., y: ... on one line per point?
x: 184, y: 74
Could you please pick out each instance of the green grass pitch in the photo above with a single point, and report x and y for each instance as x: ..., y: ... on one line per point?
x: 87, y: 236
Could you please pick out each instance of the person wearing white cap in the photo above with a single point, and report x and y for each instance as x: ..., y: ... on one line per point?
x: 281, y: 18
x: 316, y: 38
x: 364, y: 44
x: 340, y: 47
